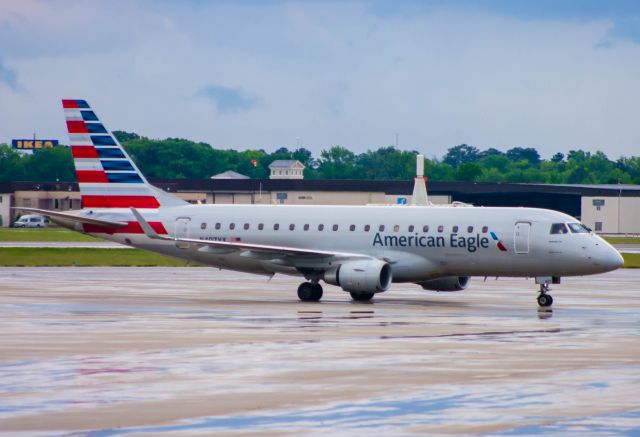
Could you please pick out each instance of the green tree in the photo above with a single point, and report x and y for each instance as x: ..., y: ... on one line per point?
x: 337, y: 163
x: 468, y: 172
x: 123, y: 136
x: 528, y: 154
x: 462, y: 154
x: 54, y: 164
x: 386, y: 163
x: 11, y: 165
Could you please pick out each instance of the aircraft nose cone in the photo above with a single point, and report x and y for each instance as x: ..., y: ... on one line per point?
x: 613, y: 260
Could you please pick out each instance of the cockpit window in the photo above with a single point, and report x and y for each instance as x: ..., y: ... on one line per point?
x: 578, y: 228
x: 559, y: 228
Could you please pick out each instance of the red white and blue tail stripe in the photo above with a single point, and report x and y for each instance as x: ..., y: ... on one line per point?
x: 107, y: 176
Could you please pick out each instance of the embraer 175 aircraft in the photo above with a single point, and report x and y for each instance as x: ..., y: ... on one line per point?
x: 362, y: 249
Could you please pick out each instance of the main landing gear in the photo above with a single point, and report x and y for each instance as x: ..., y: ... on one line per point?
x: 544, y: 299
x: 310, y: 292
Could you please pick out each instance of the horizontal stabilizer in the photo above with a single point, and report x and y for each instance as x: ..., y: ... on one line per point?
x: 77, y: 218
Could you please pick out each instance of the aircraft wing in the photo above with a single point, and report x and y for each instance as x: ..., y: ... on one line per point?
x: 264, y: 251
x: 74, y: 217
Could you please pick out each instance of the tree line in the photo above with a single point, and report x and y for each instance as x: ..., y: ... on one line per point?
x: 176, y: 158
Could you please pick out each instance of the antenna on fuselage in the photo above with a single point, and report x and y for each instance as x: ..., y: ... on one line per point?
x: 419, y: 196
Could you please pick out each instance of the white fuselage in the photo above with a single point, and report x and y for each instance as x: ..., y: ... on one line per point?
x: 418, y: 242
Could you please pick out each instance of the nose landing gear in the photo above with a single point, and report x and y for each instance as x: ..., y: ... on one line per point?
x: 310, y: 292
x: 544, y: 299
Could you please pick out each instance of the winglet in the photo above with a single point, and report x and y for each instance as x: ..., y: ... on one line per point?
x: 148, y: 230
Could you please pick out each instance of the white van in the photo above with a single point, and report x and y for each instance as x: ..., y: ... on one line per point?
x: 31, y: 221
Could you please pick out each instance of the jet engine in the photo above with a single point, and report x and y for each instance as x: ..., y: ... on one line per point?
x: 366, y: 276
x: 446, y: 283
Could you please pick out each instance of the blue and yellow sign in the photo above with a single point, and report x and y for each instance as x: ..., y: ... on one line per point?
x: 33, y: 144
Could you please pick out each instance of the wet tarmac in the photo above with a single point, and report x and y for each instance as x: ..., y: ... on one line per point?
x: 196, y: 351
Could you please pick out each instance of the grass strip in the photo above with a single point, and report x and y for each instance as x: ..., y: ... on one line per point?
x: 631, y: 260
x: 622, y: 240
x: 83, y: 257
x: 43, y: 234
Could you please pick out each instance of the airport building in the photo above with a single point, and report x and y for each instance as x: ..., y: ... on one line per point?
x: 610, y: 209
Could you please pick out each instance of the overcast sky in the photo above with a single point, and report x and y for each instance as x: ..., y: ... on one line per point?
x: 264, y: 74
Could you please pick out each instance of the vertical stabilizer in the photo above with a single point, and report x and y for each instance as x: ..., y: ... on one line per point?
x: 107, y: 176
x: 419, y: 196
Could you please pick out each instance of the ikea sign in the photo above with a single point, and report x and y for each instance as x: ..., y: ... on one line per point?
x: 33, y: 144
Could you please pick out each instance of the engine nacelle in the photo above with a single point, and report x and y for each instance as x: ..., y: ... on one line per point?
x: 446, y: 283
x: 366, y: 276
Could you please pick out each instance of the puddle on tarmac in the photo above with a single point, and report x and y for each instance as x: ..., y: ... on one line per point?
x: 390, y: 416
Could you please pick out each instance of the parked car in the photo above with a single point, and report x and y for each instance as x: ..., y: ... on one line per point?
x: 31, y: 221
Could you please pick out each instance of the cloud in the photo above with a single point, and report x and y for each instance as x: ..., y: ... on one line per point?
x: 9, y: 77
x: 327, y: 72
x: 228, y: 100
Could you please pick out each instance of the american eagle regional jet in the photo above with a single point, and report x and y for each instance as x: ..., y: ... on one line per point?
x: 362, y: 249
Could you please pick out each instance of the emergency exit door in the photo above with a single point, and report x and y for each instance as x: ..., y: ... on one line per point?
x: 521, y: 237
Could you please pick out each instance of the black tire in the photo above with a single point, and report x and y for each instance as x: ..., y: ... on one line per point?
x: 317, y: 291
x: 307, y: 292
x: 361, y: 297
x: 545, y: 300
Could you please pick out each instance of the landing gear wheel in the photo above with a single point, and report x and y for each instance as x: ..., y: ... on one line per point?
x: 361, y: 297
x: 545, y: 300
x: 309, y: 292
x: 317, y: 290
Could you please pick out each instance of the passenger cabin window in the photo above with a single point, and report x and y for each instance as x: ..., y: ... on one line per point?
x: 352, y: 228
x: 321, y: 227
x: 396, y: 228
x: 260, y: 226
x: 367, y: 228
x: 203, y: 226
x: 440, y: 228
x: 578, y: 228
x: 292, y: 227
x: 306, y: 227
x: 469, y: 229
x: 455, y: 229
x: 276, y: 226
x: 232, y: 225
x: 335, y: 227
x: 425, y: 228
x: 218, y: 225
x: 411, y: 228
x: 559, y: 228
x: 246, y: 226
x: 485, y: 229
x: 381, y: 228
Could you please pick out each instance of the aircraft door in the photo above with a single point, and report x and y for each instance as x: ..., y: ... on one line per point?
x: 181, y: 230
x: 521, y: 237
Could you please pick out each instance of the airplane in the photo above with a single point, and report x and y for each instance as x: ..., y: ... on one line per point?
x: 362, y: 249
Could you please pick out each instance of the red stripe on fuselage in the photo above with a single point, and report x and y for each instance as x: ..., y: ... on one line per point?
x: 91, y: 176
x: 119, y: 202
x: 131, y: 228
x: 84, y: 152
x: 68, y: 104
x: 77, y: 127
